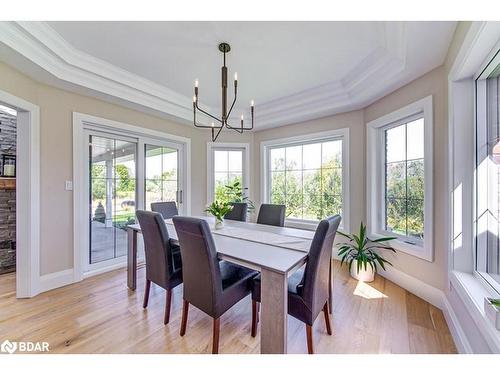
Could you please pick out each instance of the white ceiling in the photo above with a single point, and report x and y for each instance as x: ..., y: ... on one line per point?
x: 293, y: 70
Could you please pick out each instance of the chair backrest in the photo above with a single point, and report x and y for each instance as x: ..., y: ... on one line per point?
x: 200, y: 266
x: 239, y: 212
x: 272, y: 214
x: 159, y: 257
x: 313, y: 287
x: 166, y: 209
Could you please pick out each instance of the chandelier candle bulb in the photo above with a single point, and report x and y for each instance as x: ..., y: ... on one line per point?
x: 196, y: 83
x: 235, y: 76
x: 252, y: 103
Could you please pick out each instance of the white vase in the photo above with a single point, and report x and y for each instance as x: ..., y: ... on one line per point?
x: 219, y: 224
x: 363, y: 275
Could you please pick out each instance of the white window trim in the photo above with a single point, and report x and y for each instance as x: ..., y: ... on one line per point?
x: 343, y: 134
x: 82, y: 121
x: 375, y: 173
x: 211, y: 147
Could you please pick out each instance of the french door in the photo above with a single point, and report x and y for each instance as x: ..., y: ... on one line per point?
x: 125, y: 173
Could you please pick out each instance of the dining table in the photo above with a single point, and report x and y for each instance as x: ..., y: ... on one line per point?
x: 276, y: 252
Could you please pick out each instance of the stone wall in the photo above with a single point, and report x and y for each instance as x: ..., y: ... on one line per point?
x: 7, y: 197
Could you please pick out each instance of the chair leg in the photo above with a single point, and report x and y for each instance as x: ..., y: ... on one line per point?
x: 330, y: 292
x: 215, y: 338
x: 146, y: 294
x: 327, y: 319
x: 309, y: 335
x: 168, y: 302
x: 255, y: 317
x: 185, y: 309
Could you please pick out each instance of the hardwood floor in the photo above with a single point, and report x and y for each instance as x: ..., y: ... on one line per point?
x: 100, y: 315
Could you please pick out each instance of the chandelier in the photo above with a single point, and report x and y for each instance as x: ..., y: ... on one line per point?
x: 222, y: 122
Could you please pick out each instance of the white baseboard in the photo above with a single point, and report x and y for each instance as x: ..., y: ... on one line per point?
x: 458, y: 334
x: 56, y: 280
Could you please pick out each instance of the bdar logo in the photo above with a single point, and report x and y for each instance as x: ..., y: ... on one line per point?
x: 8, y: 347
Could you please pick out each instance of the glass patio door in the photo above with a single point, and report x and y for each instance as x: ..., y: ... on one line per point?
x: 163, y: 175
x: 112, y: 196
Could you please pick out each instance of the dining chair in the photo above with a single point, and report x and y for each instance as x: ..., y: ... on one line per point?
x: 163, y: 257
x: 166, y: 209
x: 238, y: 213
x: 272, y: 214
x: 308, y: 288
x: 211, y: 286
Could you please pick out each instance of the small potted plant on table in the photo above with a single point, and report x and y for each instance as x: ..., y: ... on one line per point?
x: 360, y: 253
x: 219, y: 210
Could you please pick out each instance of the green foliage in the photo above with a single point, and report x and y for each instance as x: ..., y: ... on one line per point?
x: 494, y: 302
x: 125, y: 183
x: 98, y: 173
x: 363, y: 250
x: 405, y: 198
x: 219, y: 209
x: 233, y: 193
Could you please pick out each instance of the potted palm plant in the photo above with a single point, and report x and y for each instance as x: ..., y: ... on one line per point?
x: 360, y: 253
x: 219, y: 210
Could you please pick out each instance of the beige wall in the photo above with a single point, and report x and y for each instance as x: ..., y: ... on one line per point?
x: 352, y: 120
x: 432, y: 83
x: 56, y: 107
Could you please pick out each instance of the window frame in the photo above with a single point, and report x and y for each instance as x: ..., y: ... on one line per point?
x: 375, y: 179
x: 480, y: 113
x: 214, y: 146
x: 320, y: 137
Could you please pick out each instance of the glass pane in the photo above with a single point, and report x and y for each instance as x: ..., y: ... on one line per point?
x: 395, y: 183
x: 312, y: 207
x: 331, y: 182
x: 415, y: 179
x: 396, y: 215
x: 415, y: 136
x: 332, y: 154
x: 395, y: 143
x: 235, y: 161
x: 278, y: 199
x: 277, y: 184
x: 169, y: 191
x: 293, y: 158
x: 169, y: 166
x: 332, y: 205
x: 153, y: 192
x: 311, y: 157
x: 416, y: 218
x: 220, y: 161
x: 294, y: 206
x: 294, y: 182
x: 277, y: 159
x: 153, y: 162
x: 233, y: 177
x: 312, y: 182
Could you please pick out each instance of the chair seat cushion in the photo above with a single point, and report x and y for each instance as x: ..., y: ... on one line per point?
x: 236, y: 284
x: 293, y: 284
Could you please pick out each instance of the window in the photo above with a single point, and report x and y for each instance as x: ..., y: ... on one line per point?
x: 399, y: 178
x: 161, y: 179
x: 487, y: 223
x: 308, y: 175
x: 227, y: 164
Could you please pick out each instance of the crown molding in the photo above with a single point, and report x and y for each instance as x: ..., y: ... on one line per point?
x: 44, y: 47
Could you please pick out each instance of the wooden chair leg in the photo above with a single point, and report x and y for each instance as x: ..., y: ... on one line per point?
x: 330, y: 291
x: 327, y: 319
x: 309, y: 335
x: 168, y: 302
x: 255, y: 317
x: 185, y: 309
x: 215, y: 338
x: 146, y: 294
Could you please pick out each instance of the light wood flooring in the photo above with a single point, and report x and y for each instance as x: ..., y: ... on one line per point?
x: 100, y: 315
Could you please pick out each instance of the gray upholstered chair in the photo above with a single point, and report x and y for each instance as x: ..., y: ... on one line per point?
x: 308, y: 288
x: 238, y: 213
x: 163, y: 257
x: 166, y: 209
x: 212, y: 286
x: 272, y: 214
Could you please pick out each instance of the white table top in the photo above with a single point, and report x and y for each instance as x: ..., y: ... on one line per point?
x: 284, y: 257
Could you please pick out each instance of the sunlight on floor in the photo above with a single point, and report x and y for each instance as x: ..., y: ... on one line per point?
x: 367, y: 292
